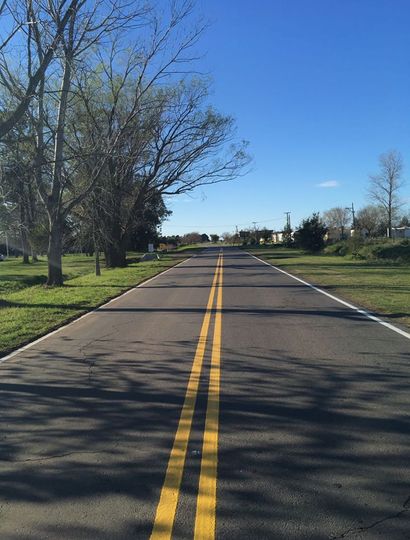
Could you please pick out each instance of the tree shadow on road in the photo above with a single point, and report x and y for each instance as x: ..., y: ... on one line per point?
x: 312, y: 445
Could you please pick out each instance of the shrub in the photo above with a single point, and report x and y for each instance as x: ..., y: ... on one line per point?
x: 338, y: 248
x: 393, y: 252
x: 355, y: 243
x: 397, y: 252
x: 310, y: 235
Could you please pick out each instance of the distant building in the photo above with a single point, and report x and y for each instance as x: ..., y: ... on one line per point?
x: 334, y: 234
x: 400, y: 232
x: 166, y: 247
x: 244, y: 234
x: 277, y: 237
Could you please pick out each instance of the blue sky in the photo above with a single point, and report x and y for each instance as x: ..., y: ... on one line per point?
x: 320, y: 88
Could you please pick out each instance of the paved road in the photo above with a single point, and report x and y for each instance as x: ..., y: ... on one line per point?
x: 312, y: 400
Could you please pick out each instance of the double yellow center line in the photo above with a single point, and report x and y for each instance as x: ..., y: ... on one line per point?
x: 205, y: 520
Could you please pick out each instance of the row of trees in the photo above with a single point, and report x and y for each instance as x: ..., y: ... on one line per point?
x: 373, y: 220
x: 100, y: 119
x: 384, y: 194
x: 193, y: 238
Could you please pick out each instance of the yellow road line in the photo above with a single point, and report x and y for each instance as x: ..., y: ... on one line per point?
x: 205, y: 520
x: 166, y: 509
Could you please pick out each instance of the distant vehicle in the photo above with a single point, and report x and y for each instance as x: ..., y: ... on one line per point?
x: 2, y: 257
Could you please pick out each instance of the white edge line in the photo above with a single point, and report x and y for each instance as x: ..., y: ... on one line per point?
x: 350, y: 306
x: 42, y: 338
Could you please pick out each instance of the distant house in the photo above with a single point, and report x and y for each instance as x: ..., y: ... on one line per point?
x: 400, y: 232
x: 362, y: 232
x: 166, y: 247
x: 277, y: 237
x: 334, y: 234
x: 244, y: 235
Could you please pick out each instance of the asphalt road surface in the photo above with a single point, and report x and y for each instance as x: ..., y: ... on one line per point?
x: 222, y: 399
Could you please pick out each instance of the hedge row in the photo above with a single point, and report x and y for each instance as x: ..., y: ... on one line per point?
x: 397, y: 251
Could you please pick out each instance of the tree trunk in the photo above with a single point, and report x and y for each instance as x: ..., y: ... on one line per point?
x: 97, y: 258
x: 97, y: 263
x: 55, y: 271
x: 54, y: 200
x: 34, y: 256
x: 24, y: 246
x: 115, y: 250
x: 23, y: 235
x: 115, y: 256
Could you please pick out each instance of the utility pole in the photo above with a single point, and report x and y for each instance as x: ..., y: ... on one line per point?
x: 254, y: 231
x: 351, y: 208
x: 287, y: 232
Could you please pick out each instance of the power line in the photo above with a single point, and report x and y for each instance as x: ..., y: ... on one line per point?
x: 244, y: 224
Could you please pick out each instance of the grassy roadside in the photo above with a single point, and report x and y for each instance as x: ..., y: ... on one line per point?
x: 29, y: 310
x: 381, y: 287
x: 15, y: 276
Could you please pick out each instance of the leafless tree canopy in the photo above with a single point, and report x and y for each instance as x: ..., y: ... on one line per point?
x: 101, y: 93
x: 385, y: 185
x: 371, y: 218
x: 173, y: 144
x: 23, y: 22
x: 337, y: 217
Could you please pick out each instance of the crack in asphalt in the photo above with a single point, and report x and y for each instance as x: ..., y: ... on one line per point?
x: 87, y: 360
x: 405, y: 508
x: 85, y: 355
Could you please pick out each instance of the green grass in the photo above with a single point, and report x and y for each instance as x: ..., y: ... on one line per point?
x: 29, y: 310
x: 193, y: 247
x: 379, y: 286
x: 15, y: 276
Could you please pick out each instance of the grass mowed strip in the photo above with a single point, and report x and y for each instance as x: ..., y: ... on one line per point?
x: 381, y: 287
x: 14, y: 275
x: 29, y: 311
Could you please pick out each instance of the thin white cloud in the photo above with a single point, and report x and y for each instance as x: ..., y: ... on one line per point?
x: 329, y: 184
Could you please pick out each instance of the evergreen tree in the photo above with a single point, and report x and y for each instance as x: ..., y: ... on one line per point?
x: 311, y: 234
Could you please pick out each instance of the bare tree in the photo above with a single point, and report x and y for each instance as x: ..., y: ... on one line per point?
x: 371, y: 218
x: 404, y: 220
x: 385, y: 186
x: 153, y: 137
x: 173, y: 144
x: 338, y: 218
x: 23, y: 18
x: 87, y: 24
x: 17, y: 181
x: 191, y: 238
x: 228, y: 238
x: 9, y: 215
